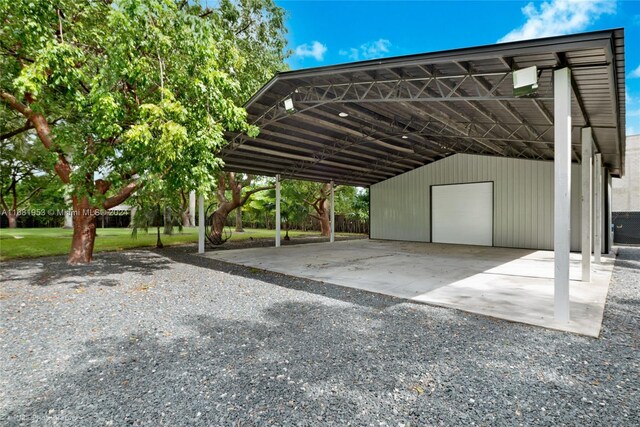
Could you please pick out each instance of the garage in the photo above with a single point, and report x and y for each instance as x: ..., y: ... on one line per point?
x: 505, y: 147
x: 462, y: 213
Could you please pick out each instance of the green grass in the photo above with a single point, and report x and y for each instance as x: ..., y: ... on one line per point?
x: 37, y: 242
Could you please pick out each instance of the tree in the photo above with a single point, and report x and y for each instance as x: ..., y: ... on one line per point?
x: 233, y: 191
x: 128, y: 92
x: 318, y: 197
x: 22, y: 162
x: 319, y: 201
x: 292, y: 212
x: 152, y: 203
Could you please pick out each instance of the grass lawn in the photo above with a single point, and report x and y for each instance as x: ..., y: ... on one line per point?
x: 36, y: 242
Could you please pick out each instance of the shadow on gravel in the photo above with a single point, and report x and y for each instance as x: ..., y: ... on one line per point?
x: 314, y: 364
x: 188, y: 255
x: 55, y: 270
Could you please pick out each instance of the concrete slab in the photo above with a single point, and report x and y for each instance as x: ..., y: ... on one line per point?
x: 506, y: 283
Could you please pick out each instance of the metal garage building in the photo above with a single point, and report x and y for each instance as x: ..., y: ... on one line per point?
x: 520, y: 171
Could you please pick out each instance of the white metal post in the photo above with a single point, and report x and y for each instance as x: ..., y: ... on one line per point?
x: 609, y: 217
x: 333, y: 214
x: 597, y: 209
x: 277, y: 211
x: 587, y: 153
x: 192, y: 209
x: 562, y: 191
x: 201, y: 221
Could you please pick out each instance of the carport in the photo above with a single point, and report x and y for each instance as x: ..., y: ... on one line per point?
x: 407, y: 125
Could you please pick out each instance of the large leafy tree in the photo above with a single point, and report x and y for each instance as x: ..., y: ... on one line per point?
x: 140, y: 90
x: 233, y: 192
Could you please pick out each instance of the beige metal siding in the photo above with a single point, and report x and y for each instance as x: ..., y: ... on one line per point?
x: 626, y: 191
x: 523, y: 200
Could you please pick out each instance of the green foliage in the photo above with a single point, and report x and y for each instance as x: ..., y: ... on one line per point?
x: 155, y: 208
x: 25, y: 174
x: 139, y: 88
x: 352, y: 202
x: 360, y: 205
x: 36, y: 242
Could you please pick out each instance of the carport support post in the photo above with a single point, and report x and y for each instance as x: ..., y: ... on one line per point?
x: 597, y: 207
x: 201, y: 221
x: 609, y: 217
x: 333, y: 215
x: 277, y: 211
x: 192, y: 209
x: 562, y: 191
x: 587, y: 153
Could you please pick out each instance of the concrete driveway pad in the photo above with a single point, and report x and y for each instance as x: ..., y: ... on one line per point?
x: 506, y: 283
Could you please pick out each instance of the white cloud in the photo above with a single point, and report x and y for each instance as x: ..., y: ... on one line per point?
x: 315, y: 50
x: 635, y: 73
x: 369, y: 50
x: 557, y: 17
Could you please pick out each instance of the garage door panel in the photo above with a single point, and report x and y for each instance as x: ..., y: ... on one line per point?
x: 462, y: 213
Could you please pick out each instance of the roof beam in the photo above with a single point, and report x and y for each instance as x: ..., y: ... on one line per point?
x: 278, y: 154
x: 352, y: 161
x: 306, y: 177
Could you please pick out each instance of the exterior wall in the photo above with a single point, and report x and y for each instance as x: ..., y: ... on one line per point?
x: 523, y: 200
x: 626, y: 190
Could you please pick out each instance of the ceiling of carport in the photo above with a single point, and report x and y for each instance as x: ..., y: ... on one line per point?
x: 405, y: 112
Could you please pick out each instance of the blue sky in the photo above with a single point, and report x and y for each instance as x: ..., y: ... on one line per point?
x: 333, y: 32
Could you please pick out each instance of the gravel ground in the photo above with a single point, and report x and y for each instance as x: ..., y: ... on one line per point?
x: 167, y: 338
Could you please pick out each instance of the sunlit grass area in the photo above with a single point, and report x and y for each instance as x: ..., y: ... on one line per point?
x: 36, y: 242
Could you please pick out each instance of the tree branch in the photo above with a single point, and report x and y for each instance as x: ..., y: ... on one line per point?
x: 102, y: 186
x: 5, y: 207
x: 16, y: 54
x: 14, y: 193
x: 62, y: 167
x: 17, y: 131
x: 26, y: 199
x: 123, y: 195
x: 255, y: 190
x: 206, y: 13
x: 220, y: 190
x: 60, y: 25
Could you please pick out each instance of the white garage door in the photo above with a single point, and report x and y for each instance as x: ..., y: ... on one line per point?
x: 462, y: 213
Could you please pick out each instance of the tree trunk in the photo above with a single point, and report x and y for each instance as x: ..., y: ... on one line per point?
x: 159, y: 244
x: 185, y: 219
x: 239, y: 220
x: 219, y: 219
x: 322, y: 209
x: 13, y: 219
x: 321, y: 206
x: 84, y: 232
x: 325, y: 223
x: 167, y: 221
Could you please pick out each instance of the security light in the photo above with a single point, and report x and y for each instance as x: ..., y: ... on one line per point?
x: 288, y: 105
x: 525, y: 81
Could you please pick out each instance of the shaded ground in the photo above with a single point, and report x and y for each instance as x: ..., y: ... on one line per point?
x: 167, y: 338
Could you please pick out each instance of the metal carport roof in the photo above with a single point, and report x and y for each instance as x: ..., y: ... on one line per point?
x: 409, y: 111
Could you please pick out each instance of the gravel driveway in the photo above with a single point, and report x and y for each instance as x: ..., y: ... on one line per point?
x: 168, y: 338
